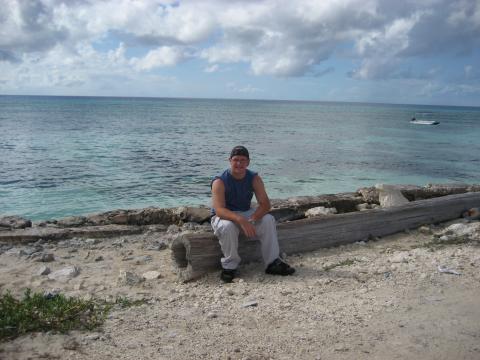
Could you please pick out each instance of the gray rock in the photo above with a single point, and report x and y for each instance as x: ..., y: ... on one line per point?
x: 192, y: 214
x: 43, y: 270
x: 369, y: 194
x: 70, y: 344
x: 212, y: 315
x: 14, y: 222
x: 129, y: 278
x: 250, y: 303
x: 47, y: 257
x: 65, y: 273
x: 72, y: 221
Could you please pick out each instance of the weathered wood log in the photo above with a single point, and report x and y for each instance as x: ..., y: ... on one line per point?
x: 196, y: 254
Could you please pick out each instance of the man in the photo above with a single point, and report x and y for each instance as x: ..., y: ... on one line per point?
x: 232, y: 192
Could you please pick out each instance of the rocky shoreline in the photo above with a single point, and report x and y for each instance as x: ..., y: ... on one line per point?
x: 129, y: 222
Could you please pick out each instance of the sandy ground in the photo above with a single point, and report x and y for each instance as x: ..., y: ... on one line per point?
x: 383, y: 299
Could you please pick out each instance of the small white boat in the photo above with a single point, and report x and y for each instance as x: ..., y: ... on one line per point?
x: 423, y: 119
x: 424, y: 122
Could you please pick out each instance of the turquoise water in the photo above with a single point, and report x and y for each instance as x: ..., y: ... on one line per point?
x: 63, y: 156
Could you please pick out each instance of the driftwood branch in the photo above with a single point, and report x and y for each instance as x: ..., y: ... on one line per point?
x: 196, y: 254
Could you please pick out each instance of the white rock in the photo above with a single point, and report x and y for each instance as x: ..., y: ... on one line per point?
x: 460, y: 229
x: 151, y: 275
x: 65, y: 274
x: 390, y: 195
x: 320, y: 210
x: 363, y: 207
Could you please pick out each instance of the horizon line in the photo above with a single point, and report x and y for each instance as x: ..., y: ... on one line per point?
x: 236, y: 99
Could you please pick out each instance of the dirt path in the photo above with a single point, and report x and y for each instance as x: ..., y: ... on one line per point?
x: 383, y: 299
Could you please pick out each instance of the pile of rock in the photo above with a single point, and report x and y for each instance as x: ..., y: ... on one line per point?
x: 135, y: 217
x: 14, y: 222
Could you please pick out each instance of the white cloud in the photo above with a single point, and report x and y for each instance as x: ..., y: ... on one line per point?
x: 160, y: 57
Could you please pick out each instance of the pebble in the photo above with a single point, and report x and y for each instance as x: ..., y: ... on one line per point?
x: 92, y: 337
x: 129, y: 278
x: 43, y: 270
x: 425, y: 230
x: 251, y: 303
x: 142, y: 260
x: 78, y: 286
x: 212, y: 315
x: 48, y: 257
x: 230, y: 292
x: 92, y: 241
x: 70, y: 344
x: 151, y: 275
x: 65, y: 273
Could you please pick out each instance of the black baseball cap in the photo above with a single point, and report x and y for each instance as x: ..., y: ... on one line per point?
x: 239, y: 150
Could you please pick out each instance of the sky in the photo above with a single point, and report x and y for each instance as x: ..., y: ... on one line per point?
x: 384, y: 51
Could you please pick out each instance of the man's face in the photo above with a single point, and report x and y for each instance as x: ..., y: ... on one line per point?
x: 239, y: 164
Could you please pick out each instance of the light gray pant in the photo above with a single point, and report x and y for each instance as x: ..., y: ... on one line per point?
x: 227, y: 232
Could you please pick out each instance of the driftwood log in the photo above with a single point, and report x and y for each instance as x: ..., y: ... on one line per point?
x: 196, y: 254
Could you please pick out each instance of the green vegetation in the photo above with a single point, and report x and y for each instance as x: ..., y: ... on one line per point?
x: 36, y: 312
x: 124, y: 302
x: 346, y: 262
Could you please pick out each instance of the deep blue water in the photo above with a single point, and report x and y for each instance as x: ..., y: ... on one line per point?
x: 62, y: 156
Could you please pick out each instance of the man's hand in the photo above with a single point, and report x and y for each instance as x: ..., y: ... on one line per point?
x: 247, y: 228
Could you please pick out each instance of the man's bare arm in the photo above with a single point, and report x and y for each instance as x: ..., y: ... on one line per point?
x: 262, y: 199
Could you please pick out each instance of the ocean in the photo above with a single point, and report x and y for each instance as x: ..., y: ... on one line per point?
x: 62, y: 156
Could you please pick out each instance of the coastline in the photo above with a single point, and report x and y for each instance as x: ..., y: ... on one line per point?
x: 121, y: 222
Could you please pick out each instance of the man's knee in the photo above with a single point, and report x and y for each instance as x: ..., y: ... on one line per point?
x: 268, y: 219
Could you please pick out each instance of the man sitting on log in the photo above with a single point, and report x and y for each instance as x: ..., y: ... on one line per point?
x: 232, y: 192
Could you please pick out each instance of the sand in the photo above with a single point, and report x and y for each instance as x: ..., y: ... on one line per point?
x: 382, y: 299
